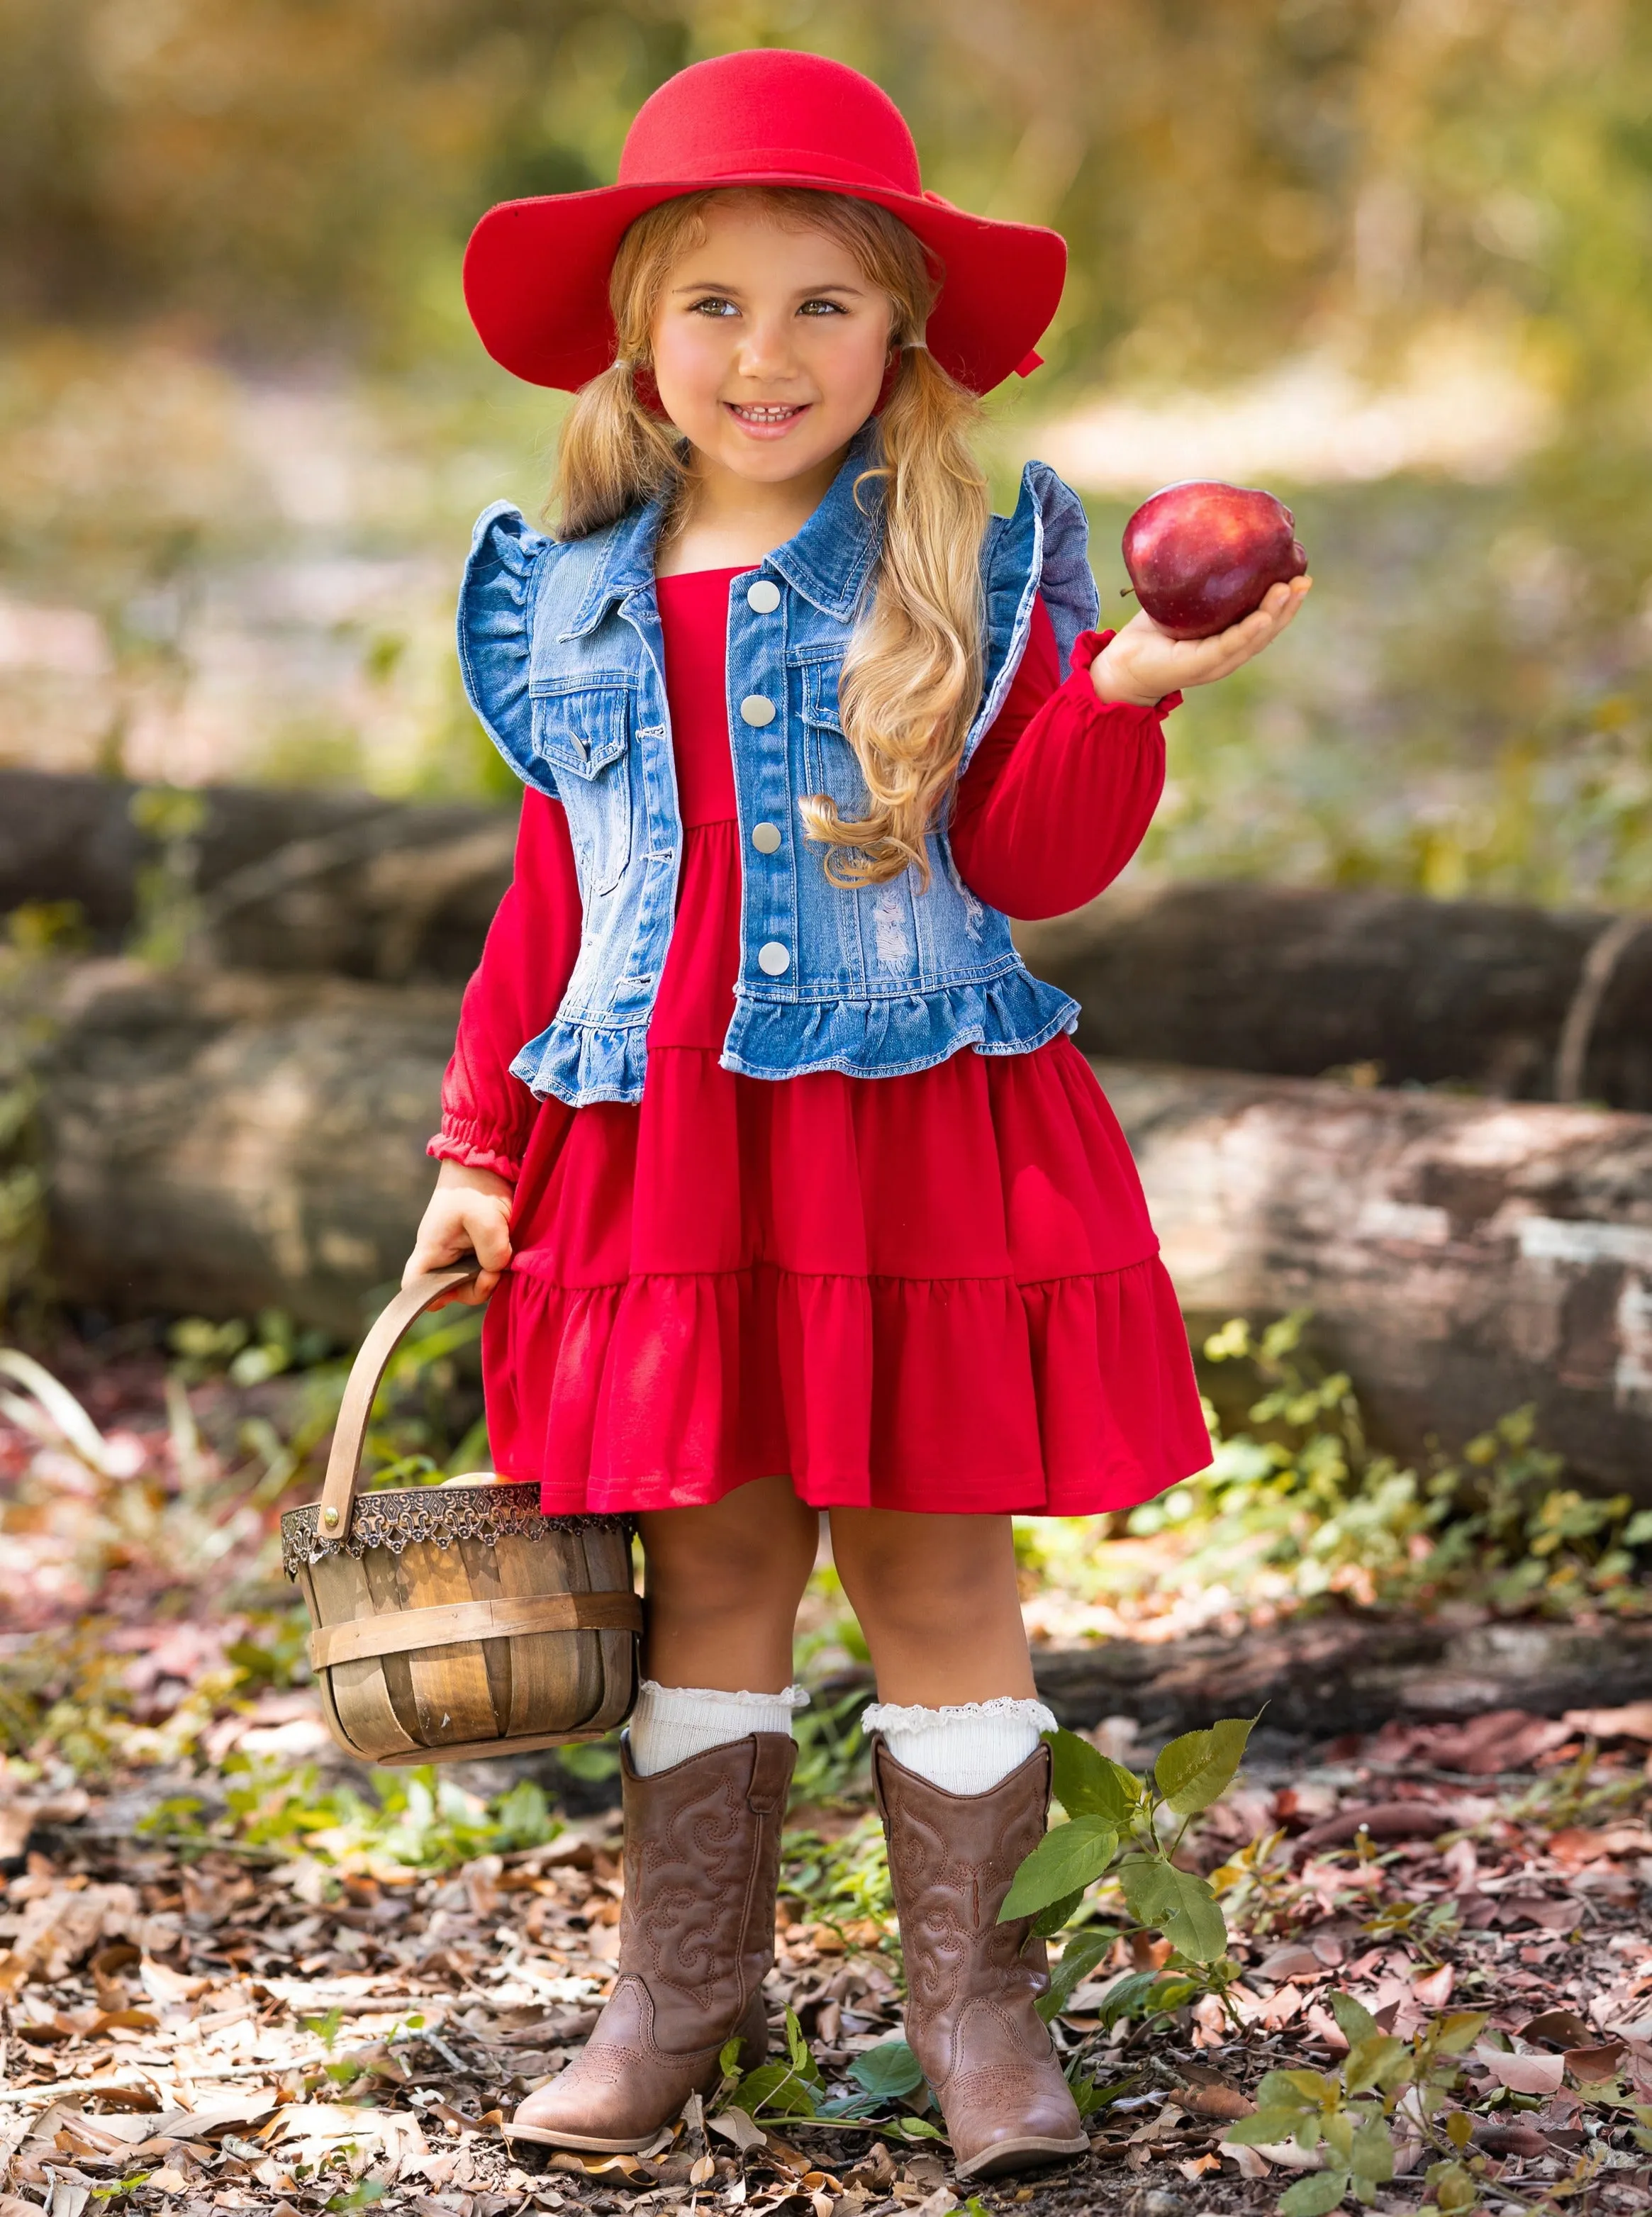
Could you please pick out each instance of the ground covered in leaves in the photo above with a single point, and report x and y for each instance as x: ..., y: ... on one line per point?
x: 259, y: 1981
x: 237, y: 1973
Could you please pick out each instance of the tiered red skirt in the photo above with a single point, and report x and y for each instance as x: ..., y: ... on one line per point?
x: 938, y: 1292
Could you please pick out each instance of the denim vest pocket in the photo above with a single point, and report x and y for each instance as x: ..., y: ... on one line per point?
x: 582, y: 732
x: 831, y: 766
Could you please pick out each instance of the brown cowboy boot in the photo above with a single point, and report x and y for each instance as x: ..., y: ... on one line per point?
x: 697, y: 1940
x: 972, y: 1982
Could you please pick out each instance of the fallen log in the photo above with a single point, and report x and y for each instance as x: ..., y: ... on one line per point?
x: 1322, y: 1675
x: 222, y: 1141
x: 1461, y: 1258
x: 1517, y: 1002
x: 263, y: 878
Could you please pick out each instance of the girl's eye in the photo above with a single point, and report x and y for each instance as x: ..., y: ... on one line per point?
x: 821, y: 308
x: 712, y: 305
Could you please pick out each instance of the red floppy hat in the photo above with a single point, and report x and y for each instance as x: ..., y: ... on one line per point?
x: 536, y: 271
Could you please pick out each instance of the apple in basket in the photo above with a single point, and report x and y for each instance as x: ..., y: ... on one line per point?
x: 1202, y: 554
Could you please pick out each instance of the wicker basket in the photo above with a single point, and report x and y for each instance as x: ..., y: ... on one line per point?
x: 455, y: 1621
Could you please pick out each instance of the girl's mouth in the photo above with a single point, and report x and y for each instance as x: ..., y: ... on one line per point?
x: 766, y: 419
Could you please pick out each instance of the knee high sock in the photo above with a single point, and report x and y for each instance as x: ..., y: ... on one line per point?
x: 671, y: 1723
x: 967, y: 1749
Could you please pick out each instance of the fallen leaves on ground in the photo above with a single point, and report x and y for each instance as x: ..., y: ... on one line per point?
x: 198, y: 2023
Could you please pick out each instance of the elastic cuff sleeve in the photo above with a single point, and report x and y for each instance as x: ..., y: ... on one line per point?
x: 1086, y: 648
x: 466, y: 1143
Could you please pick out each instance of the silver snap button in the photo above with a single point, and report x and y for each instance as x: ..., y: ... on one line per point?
x: 773, y: 958
x: 765, y: 837
x: 763, y: 598
x: 754, y: 709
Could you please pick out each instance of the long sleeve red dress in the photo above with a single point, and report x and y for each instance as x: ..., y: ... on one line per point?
x: 934, y: 1292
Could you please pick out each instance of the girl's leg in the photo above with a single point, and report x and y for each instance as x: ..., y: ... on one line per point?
x: 723, y: 1582
x: 963, y: 1790
x: 708, y: 1763
x: 937, y: 1599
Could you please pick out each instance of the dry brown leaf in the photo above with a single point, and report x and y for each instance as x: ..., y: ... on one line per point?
x: 1433, y: 1988
x: 1559, y: 2027
x: 1576, y: 1846
x: 1523, y: 2074
x: 1292, y: 1961
x: 1379, y: 1820
x: 1590, y: 2065
x: 1225, y: 2103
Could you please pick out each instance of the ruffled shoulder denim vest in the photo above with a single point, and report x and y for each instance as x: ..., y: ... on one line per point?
x: 560, y: 648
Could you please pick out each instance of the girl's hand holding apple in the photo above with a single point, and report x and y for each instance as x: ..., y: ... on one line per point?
x: 1143, y: 661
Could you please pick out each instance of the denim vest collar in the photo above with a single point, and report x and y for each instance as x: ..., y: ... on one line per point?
x: 827, y: 561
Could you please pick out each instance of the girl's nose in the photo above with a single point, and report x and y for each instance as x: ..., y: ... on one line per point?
x: 766, y: 350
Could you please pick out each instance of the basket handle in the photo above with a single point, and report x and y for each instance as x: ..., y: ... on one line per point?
x: 338, y: 1493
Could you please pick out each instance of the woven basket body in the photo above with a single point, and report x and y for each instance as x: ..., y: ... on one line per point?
x: 455, y: 1621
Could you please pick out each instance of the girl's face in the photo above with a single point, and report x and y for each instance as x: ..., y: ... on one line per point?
x: 768, y: 346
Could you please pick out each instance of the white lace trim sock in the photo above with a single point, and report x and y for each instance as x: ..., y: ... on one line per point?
x: 963, y: 1749
x: 670, y: 1723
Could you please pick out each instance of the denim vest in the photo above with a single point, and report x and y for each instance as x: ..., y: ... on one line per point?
x: 560, y: 647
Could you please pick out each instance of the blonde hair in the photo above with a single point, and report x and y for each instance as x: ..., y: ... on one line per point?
x: 911, y: 674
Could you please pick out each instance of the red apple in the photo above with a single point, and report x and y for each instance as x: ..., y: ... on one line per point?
x: 1202, y: 554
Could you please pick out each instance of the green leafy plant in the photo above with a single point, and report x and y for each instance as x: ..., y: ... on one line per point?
x: 1296, y: 1505
x: 1129, y: 1828
x: 887, y: 2075
x: 1350, y: 2116
x: 1114, y: 1826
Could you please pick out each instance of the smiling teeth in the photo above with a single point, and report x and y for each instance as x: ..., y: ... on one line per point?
x: 770, y: 414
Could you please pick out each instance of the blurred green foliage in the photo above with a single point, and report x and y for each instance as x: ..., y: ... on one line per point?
x: 1230, y: 173
x: 280, y: 184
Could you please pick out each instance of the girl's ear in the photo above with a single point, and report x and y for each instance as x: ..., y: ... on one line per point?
x: 891, y: 371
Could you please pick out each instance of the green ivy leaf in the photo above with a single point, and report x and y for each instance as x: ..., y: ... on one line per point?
x: 1284, y: 2089
x: 1355, y: 2023
x: 890, y: 2071
x: 776, y: 2087
x: 1314, y: 2195
x: 1088, y: 2096
x: 1079, y: 1958
x: 1378, y: 2061
x: 1337, y: 2131
x: 1048, y: 1922
x: 1264, y: 2128
x: 1372, y: 2155
x: 1453, y: 2035
x: 1453, y: 2187
x: 917, y: 2128
x: 1177, y: 1902
x: 1196, y: 1770
x: 1126, y: 1996
x: 1088, y: 1783
x: 1070, y: 1856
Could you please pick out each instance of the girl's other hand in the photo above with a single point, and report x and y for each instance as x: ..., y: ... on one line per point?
x: 469, y: 1213
x: 1143, y: 664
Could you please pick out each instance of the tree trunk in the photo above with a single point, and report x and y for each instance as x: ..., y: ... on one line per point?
x: 262, y: 878
x: 220, y: 1141
x: 1516, y: 1002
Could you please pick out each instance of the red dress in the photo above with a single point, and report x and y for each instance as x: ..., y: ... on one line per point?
x: 938, y: 1292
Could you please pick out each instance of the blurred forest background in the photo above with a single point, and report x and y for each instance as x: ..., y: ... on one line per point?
x: 1388, y: 256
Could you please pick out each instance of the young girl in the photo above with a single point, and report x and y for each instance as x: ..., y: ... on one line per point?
x: 798, y: 1195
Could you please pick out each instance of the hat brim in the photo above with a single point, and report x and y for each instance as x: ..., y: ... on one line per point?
x: 537, y: 275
